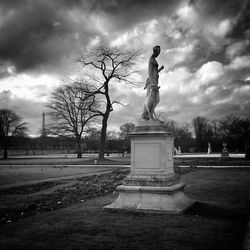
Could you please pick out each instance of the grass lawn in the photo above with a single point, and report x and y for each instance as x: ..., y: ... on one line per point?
x: 217, y: 221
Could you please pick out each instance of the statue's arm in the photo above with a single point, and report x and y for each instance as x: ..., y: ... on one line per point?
x: 161, y: 68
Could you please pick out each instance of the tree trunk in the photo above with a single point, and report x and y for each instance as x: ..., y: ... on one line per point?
x: 103, y: 135
x: 5, y: 153
x: 79, y: 148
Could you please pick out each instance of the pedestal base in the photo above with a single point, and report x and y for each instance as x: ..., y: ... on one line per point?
x: 152, y: 198
x: 164, y: 180
x: 152, y: 184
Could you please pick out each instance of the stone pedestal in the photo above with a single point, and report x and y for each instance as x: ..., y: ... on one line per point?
x: 152, y: 184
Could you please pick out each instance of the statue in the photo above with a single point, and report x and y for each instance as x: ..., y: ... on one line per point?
x: 179, y: 150
x: 209, y: 149
x: 152, y: 96
x: 224, y: 153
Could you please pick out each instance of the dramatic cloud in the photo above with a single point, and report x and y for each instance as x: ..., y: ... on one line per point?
x: 205, y: 51
x: 43, y: 34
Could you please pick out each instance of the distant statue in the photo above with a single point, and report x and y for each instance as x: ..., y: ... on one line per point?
x: 179, y: 150
x: 152, y: 95
x: 209, y: 149
x: 224, y: 152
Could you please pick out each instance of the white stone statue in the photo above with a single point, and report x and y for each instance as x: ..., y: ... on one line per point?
x: 179, y: 150
x: 209, y: 149
x: 152, y: 96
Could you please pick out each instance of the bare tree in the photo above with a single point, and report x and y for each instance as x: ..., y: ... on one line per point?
x: 229, y: 126
x: 10, y: 125
x: 202, y: 130
x: 72, y: 110
x: 215, y: 128
x: 93, y: 133
x: 170, y: 125
x: 112, y: 135
x: 127, y: 128
x: 107, y: 65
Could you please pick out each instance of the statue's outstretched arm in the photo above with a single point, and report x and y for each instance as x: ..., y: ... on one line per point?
x: 161, y: 68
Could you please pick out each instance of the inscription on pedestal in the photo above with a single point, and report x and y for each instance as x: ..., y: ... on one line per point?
x: 142, y: 151
x: 152, y: 156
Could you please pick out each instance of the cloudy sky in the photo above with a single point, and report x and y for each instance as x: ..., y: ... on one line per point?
x: 205, y: 51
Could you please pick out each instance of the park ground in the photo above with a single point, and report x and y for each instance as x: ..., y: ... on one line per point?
x: 58, y: 204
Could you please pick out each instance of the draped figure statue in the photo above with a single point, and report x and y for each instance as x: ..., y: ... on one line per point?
x: 152, y: 95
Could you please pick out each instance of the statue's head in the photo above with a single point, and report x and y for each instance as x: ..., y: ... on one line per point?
x: 156, y: 50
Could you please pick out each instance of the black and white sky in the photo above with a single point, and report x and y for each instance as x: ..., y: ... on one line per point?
x: 205, y: 50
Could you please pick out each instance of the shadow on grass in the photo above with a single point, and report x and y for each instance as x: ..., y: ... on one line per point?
x: 214, y: 212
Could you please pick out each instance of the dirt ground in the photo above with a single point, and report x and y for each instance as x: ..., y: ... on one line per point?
x: 216, y: 221
x: 19, y: 202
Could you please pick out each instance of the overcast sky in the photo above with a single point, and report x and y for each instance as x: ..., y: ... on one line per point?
x: 205, y: 51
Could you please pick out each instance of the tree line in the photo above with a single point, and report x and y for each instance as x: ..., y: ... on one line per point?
x: 230, y: 129
x: 89, y: 143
